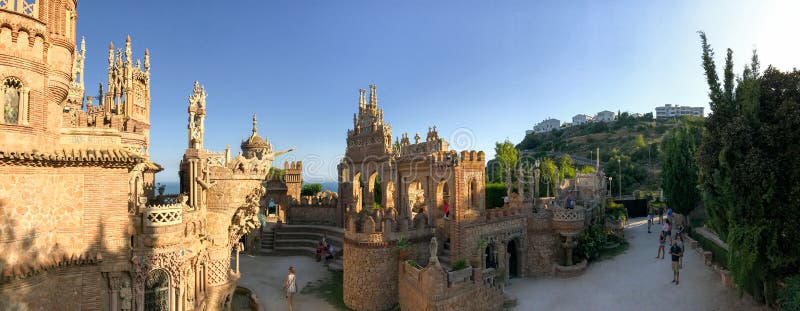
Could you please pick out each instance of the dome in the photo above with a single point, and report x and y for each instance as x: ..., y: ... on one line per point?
x: 255, y: 146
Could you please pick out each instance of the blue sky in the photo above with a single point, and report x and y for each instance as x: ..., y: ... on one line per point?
x: 483, y: 71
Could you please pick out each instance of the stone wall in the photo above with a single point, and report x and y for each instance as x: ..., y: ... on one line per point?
x: 59, y: 227
x: 313, y: 215
x: 430, y: 289
x: 370, y: 276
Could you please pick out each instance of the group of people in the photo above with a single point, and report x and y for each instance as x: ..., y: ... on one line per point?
x: 325, y: 250
x: 676, y: 242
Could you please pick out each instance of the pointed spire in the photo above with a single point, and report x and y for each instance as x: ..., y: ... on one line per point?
x: 110, y: 54
x: 146, y: 60
x: 83, y: 44
x: 373, y: 96
x: 255, y: 129
x: 128, y: 53
x: 362, y: 98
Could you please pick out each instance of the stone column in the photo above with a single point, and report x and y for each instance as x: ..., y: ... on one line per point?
x: 569, y: 244
x: 23, y: 105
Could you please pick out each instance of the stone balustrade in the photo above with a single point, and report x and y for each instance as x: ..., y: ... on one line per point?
x: 496, y: 213
x: 163, y: 215
x: 562, y: 214
x: 25, y: 7
x: 459, y: 276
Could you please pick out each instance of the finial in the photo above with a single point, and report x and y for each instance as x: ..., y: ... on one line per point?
x: 83, y: 43
x: 146, y: 51
x: 128, y: 39
x: 111, y: 45
x: 255, y: 130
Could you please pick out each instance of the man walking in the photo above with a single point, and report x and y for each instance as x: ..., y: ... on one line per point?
x: 676, y: 253
x: 649, y: 220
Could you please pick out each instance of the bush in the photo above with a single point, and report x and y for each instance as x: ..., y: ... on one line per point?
x: 616, y: 211
x: 590, y: 242
x: 789, y: 297
x: 458, y: 265
x: 311, y: 189
x: 494, y: 195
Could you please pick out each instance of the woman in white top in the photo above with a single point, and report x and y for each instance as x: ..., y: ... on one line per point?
x: 290, y: 285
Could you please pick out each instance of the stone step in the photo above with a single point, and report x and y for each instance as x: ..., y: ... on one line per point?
x: 335, y: 240
x: 336, y: 265
x: 299, y: 242
x: 296, y: 250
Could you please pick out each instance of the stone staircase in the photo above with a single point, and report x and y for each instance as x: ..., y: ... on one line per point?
x: 302, y: 240
x: 267, y: 240
x: 444, y: 257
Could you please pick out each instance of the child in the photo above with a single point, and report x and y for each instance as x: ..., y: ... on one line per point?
x: 662, y: 240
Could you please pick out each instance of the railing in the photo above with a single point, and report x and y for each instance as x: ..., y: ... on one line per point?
x: 163, y: 215
x: 165, y: 199
x: 560, y: 214
x: 489, y: 275
x: 25, y: 7
x: 455, y: 277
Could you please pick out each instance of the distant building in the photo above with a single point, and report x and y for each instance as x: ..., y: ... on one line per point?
x: 547, y: 126
x: 605, y: 116
x: 670, y: 111
x: 579, y: 119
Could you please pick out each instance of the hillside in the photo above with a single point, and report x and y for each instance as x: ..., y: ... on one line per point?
x: 631, y: 145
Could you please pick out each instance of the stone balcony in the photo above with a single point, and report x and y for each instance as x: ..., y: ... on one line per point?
x: 568, y: 221
x: 163, y: 215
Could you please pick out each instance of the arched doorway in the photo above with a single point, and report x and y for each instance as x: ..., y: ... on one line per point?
x: 491, y: 257
x: 375, y: 191
x: 416, y: 198
x: 156, y: 291
x: 513, y: 260
x: 358, y: 192
x: 442, y: 199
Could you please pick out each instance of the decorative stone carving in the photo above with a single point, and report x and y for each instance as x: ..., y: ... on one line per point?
x: 125, y: 295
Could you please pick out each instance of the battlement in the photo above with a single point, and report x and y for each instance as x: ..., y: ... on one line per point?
x: 385, y: 227
x: 473, y: 156
x: 292, y: 165
x: 322, y: 199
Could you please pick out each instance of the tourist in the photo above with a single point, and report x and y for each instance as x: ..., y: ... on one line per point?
x: 320, y: 250
x: 662, y: 240
x: 676, y: 252
x: 669, y: 213
x: 667, y: 229
x: 446, y: 210
x: 660, y: 215
x: 649, y: 220
x: 290, y: 286
x: 331, y: 252
x: 679, y: 238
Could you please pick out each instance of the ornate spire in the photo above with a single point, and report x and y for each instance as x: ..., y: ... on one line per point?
x: 147, y: 60
x: 255, y: 129
x: 373, y: 96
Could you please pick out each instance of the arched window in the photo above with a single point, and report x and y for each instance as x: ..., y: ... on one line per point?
x: 156, y: 291
x: 13, y: 107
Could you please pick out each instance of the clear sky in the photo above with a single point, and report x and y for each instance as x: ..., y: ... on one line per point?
x: 483, y: 71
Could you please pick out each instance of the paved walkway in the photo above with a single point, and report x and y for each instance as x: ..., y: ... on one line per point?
x: 634, y: 280
x: 264, y: 275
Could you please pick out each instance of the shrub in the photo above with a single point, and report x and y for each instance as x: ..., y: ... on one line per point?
x: 719, y: 253
x: 458, y: 265
x: 789, y: 296
x: 494, y: 195
x: 413, y: 263
x: 590, y: 242
x: 311, y: 189
x: 402, y: 243
x: 616, y: 211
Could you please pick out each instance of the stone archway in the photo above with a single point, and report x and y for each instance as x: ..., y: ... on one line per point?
x: 156, y: 291
x: 443, y: 197
x: 358, y: 192
x: 490, y: 255
x: 416, y: 198
x: 512, y: 248
x: 374, y: 192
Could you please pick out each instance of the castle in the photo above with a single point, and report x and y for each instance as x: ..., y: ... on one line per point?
x: 81, y: 224
x: 393, y: 201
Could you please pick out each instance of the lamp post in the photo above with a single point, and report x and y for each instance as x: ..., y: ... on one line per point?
x: 536, y: 179
x: 619, y: 163
x: 608, y: 191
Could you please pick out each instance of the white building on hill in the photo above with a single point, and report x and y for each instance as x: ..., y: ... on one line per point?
x: 670, y: 111
x: 605, y: 116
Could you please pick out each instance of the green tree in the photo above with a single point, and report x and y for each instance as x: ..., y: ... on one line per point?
x: 749, y: 173
x: 679, y: 167
x: 311, y: 189
x: 587, y: 169
x: 506, y: 155
x: 565, y: 167
x: 548, y: 177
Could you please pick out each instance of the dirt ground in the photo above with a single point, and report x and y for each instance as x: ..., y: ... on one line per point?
x: 264, y: 275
